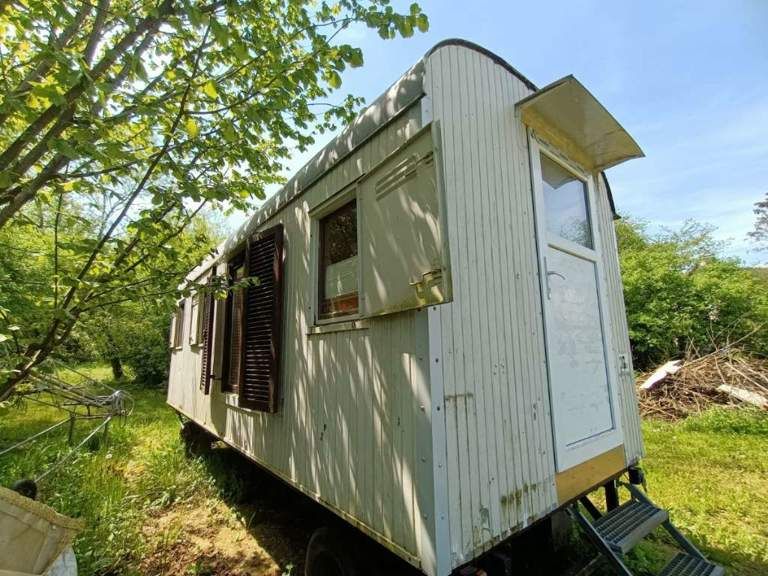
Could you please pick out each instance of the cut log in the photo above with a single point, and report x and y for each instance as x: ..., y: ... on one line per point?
x: 745, y: 395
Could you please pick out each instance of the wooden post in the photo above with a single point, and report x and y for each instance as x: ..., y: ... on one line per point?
x: 611, y: 495
x: 71, y: 433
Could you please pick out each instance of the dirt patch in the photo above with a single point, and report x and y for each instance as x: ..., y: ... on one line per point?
x: 209, y: 537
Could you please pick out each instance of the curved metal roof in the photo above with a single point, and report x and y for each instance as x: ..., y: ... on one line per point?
x: 394, y: 101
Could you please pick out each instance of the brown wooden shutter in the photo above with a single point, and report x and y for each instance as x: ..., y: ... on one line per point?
x: 236, y: 339
x: 259, y: 387
x: 206, y: 361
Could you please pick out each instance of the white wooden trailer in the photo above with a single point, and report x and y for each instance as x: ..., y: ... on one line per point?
x: 437, y: 349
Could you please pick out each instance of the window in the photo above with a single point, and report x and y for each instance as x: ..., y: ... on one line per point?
x: 234, y: 327
x: 178, y: 326
x: 338, y: 278
x: 565, y: 200
x: 196, y: 320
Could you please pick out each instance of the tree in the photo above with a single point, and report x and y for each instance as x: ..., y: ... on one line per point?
x: 760, y: 233
x: 681, y: 294
x: 144, y: 113
x: 134, y: 331
x: 128, y: 325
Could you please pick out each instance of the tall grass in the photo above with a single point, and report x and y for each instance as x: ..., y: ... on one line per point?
x: 139, y: 468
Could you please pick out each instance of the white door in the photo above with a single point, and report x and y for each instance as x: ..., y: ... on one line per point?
x: 582, y: 386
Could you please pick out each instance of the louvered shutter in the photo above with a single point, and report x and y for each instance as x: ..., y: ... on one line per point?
x: 263, y: 305
x: 236, y: 337
x: 206, y: 351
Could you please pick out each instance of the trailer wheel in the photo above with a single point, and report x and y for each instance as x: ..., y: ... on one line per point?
x: 329, y: 553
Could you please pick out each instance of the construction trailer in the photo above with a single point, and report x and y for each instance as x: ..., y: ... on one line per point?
x: 433, y: 343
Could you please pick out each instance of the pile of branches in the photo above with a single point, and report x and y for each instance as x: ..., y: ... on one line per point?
x: 725, y: 377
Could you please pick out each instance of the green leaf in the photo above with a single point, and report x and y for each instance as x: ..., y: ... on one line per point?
x: 210, y: 89
x: 334, y: 80
x: 191, y: 127
x: 228, y: 131
x: 220, y: 32
x: 405, y: 28
x: 356, y: 58
x: 422, y: 22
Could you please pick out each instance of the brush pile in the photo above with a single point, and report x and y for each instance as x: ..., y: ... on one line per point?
x: 726, y: 377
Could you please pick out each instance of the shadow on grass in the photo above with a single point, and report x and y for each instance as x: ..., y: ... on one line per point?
x: 280, y: 518
x: 283, y: 519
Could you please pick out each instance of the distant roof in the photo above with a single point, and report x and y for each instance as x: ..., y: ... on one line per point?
x: 395, y: 100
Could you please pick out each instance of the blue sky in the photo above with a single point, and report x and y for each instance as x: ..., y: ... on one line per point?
x: 689, y: 80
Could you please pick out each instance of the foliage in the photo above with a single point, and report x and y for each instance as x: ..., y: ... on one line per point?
x: 141, y: 467
x: 760, y: 232
x: 681, y: 295
x: 142, y: 114
x: 130, y: 324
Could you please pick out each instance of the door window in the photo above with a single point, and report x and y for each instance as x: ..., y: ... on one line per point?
x: 565, y: 200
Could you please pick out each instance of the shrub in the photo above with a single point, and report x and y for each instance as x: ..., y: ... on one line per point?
x: 682, y: 295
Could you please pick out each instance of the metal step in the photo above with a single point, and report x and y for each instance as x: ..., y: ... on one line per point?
x: 686, y: 565
x: 625, y: 526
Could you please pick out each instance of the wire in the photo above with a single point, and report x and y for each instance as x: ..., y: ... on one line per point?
x: 33, y: 437
x: 75, y: 449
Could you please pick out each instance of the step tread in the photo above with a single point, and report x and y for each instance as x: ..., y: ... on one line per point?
x: 686, y: 565
x: 625, y: 526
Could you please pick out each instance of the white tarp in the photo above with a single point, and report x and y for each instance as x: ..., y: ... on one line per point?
x: 33, y: 536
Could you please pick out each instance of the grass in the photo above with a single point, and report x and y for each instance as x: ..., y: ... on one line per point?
x: 143, y: 497
x: 140, y: 466
x: 711, y: 473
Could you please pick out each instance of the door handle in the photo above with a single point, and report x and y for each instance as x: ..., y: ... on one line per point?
x: 546, y: 279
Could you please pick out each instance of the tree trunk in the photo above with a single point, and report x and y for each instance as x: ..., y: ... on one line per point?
x: 117, y: 367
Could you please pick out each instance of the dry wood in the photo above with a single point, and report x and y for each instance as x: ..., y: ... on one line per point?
x: 726, y: 376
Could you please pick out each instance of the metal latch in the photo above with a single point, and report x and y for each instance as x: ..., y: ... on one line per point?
x: 429, y: 279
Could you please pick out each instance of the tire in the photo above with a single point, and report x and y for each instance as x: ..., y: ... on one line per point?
x: 332, y: 553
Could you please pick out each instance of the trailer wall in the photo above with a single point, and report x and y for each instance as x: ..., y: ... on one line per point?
x: 353, y: 428
x: 498, y: 445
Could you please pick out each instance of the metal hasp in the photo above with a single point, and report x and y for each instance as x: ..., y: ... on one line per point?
x: 621, y: 529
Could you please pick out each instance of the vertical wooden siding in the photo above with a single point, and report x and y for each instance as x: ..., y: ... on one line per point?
x: 499, y: 441
x: 350, y: 429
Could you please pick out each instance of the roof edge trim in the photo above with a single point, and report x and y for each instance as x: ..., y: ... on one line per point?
x: 485, y: 52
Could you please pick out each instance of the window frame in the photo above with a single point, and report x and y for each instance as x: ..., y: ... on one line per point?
x: 327, y: 208
x: 587, y: 194
x: 235, y: 262
x: 580, y: 173
x: 178, y: 325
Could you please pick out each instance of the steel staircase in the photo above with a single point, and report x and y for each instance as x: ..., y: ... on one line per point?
x: 619, y: 530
